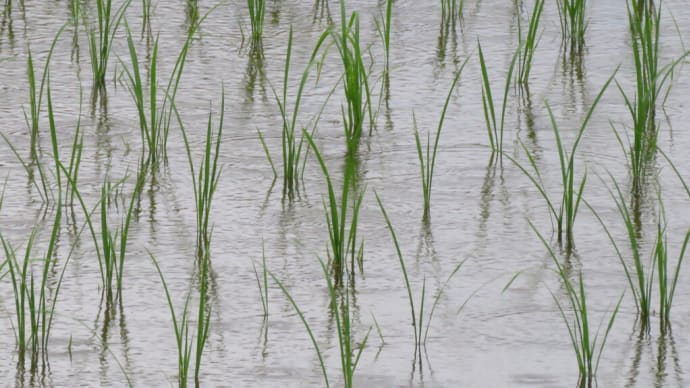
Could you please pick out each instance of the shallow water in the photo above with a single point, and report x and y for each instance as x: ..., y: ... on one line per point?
x: 479, y: 212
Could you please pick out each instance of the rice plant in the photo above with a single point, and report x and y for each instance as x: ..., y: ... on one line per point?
x: 573, y: 22
x: 529, y: 44
x: 452, y: 9
x: 185, y: 341
x: 587, y: 343
x: 205, y: 178
x: 383, y: 27
x: 418, y: 317
x: 101, y: 42
x: 355, y: 79
x: 343, y: 242
x: 292, y: 141
x: 32, y: 299
x: 155, y: 122
x: 564, y: 212
x: 257, y: 9
x: 36, y: 91
x: 640, y: 276
x: 494, y: 127
x: 645, y: 21
x: 34, y: 305
x: 339, y: 305
x: 427, y: 160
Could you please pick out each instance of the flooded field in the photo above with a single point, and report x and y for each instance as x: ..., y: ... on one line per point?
x: 431, y: 194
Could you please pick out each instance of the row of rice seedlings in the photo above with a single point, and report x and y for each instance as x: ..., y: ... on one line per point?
x: 185, y: 341
x: 494, y: 127
x: 529, y: 44
x: 291, y: 142
x: 342, y: 238
x: 640, y: 276
x: 587, y: 344
x: 257, y: 9
x: 355, y: 79
x: 155, y: 125
x: 427, y: 160
x: 565, y: 212
x: 573, y: 22
x: 418, y: 317
x: 101, y: 42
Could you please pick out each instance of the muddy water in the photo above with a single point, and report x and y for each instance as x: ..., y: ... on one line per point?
x: 479, y: 212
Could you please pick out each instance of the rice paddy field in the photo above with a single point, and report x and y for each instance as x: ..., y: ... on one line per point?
x: 477, y: 193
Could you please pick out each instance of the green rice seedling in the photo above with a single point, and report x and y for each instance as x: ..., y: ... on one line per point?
x: 427, y: 160
x: 493, y: 126
x: 342, y: 238
x: 587, y: 344
x: 650, y: 78
x: 355, y: 79
x: 155, y: 122
x: 205, y: 179
x: 33, y: 117
x: 114, y: 243
x: 383, y: 27
x: 640, y: 276
x: 340, y: 306
x: 31, y: 299
x: 257, y: 9
x: 571, y: 14
x: 262, y: 283
x: 564, y: 213
x: 181, y: 324
x: 292, y: 146
x: 101, y: 42
x: 146, y: 8
x: 666, y: 281
x: 307, y: 327
x: 452, y: 9
x: 529, y: 44
x: 33, y: 309
x: 417, y: 317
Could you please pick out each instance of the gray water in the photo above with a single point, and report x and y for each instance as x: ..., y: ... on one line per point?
x: 479, y: 212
